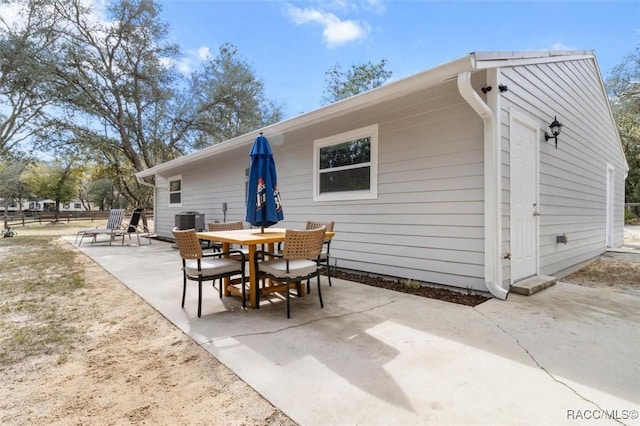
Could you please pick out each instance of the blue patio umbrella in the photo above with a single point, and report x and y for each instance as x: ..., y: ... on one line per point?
x: 264, y: 206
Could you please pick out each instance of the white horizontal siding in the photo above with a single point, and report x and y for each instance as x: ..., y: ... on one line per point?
x: 573, y: 177
x: 427, y: 222
x: 204, y: 188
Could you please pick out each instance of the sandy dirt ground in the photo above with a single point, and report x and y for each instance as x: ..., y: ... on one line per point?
x: 615, y: 270
x: 132, y: 366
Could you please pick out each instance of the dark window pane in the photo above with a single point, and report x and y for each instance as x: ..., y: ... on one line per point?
x: 175, y: 185
x: 345, y: 180
x: 175, y: 198
x: 345, y: 154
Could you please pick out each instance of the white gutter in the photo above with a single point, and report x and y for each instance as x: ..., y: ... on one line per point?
x: 510, y: 59
x: 389, y: 91
x: 492, y: 185
x: 436, y: 75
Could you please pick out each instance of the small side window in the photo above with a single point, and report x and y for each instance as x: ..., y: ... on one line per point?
x: 175, y: 191
x: 346, y: 165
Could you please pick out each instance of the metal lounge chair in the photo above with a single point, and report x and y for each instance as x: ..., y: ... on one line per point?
x: 200, y: 267
x: 294, y: 264
x: 134, y: 226
x: 112, y: 229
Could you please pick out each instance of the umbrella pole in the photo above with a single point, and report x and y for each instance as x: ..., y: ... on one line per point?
x: 262, y: 229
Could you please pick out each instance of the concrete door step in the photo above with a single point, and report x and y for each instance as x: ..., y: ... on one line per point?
x: 533, y: 285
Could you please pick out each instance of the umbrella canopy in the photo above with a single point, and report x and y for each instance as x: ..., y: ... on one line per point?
x: 264, y: 207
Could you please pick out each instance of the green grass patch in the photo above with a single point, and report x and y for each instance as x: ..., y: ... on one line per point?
x: 56, y: 228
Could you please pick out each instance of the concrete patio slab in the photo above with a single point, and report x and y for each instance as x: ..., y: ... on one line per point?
x: 377, y: 357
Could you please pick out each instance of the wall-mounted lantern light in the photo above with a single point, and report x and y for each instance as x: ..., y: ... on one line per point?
x: 555, y: 127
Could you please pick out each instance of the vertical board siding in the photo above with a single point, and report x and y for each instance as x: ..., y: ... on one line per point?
x: 573, y: 177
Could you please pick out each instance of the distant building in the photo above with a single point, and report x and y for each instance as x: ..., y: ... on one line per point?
x: 45, y: 205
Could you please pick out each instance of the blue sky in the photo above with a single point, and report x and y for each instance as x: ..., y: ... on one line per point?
x: 291, y: 44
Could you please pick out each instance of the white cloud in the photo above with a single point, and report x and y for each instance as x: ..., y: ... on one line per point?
x: 204, y: 53
x: 336, y: 4
x: 185, y: 66
x: 336, y: 32
x: 10, y: 12
x: 190, y: 61
x: 375, y: 5
x: 167, y: 62
x: 560, y: 46
x: 553, y: 47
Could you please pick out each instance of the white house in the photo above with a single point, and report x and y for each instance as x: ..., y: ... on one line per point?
x: 44, y: 205
x: 444, y: 177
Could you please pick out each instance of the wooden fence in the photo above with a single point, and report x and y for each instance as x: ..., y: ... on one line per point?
x: 44, y: 217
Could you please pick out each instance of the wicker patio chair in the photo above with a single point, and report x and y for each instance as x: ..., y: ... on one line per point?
x: 294, y: 264
x: 200, y: 267
x: 326, y: 249
x: 227, y: 226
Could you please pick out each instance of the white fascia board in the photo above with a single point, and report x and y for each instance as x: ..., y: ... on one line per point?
x: 489, y: 60
x: 204, y: 153
x: 509, y: 59
x: 530, y: 54
x: 393, y: 90
x: 422, y: 80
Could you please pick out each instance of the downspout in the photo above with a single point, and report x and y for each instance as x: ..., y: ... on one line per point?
x: 492, y: 188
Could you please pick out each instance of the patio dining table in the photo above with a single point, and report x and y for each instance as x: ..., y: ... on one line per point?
x: 251, y: 238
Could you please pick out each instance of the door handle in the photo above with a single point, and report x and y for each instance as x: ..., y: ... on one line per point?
x: 536, y: 214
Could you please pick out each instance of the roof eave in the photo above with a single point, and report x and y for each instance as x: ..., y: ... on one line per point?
x: 509, y: 59
x: 422, y: 80
x: 396, y: 89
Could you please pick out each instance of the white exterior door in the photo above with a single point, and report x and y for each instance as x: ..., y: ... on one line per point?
x: 524, y: 197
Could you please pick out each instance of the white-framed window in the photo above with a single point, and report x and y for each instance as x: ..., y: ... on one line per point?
x: 77, y: 206
x: 66, y: 205
x: 175, y: 191
x: 345, y: 166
